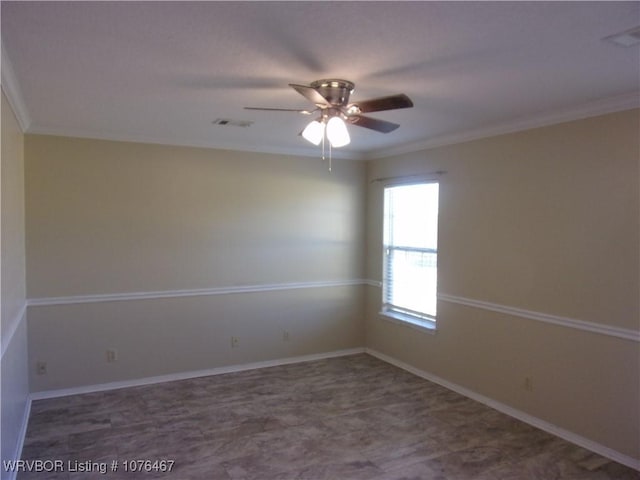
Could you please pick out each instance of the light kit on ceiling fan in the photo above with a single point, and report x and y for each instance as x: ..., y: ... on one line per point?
x: 337, y: 132
x: 331, y: 98
x: 314, y: 132
x: 334, y: 128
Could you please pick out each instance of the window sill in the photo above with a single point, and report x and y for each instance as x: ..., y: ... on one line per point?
x: 426, y: 326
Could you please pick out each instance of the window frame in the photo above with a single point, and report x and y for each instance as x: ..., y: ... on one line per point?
x: 394, y: 313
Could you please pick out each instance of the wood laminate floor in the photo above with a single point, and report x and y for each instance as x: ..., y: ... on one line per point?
x: 345, y: 418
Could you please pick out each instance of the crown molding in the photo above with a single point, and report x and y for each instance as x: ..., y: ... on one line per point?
x: 312, y: 152
x: 591, y: 109
x: 628, y: 101
x: 11, y: 88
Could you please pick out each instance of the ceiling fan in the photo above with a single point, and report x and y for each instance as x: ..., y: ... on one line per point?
x: 331, y: 100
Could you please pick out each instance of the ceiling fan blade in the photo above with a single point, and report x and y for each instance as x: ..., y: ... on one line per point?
x: 310, y: 94
x: 304, y: 112
x: 392, y: 102
x: 373, y: 123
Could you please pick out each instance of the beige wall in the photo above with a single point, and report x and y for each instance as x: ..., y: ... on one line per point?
x: 545, y: 220
x: 115, y: 218
x: 15, y: 388
x: 13, y: 250
x: 181, y: 335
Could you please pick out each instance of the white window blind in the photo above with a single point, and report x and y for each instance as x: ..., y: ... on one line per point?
x: 410, y: 277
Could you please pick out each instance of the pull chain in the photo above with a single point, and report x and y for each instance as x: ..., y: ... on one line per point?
x: 324, y: 135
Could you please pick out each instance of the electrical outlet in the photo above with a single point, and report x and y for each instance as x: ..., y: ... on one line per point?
x: 528, y: 384
x: 285, y: 336
x: 112, y: 355
x: 41, y: 368
x: 235, y: 342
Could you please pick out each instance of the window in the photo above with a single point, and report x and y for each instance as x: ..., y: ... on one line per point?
x: 410, y: 277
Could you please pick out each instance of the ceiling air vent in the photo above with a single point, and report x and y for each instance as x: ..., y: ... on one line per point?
x: 232, y: 123
x: 628, y: 38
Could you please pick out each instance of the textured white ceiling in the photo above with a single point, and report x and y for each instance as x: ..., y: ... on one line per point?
x: 163, y: 71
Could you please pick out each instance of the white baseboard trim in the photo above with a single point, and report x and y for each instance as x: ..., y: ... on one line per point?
x: 512, y: 412
x: 525, y: 417
x: 199, y: 292
x: 191, y: 374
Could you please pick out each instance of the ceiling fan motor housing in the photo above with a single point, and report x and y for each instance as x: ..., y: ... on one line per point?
x: 336, y: 91
x: 331, y: 98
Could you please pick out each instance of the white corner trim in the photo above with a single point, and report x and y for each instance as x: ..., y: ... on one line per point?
x: 119, y: 297
x: 590, y: 109
x: 22, y: 435
x: 12, y: 90
x: 515, y: 413
x: 139, y: 382
x: 618, y: 332
x: 13, y: 327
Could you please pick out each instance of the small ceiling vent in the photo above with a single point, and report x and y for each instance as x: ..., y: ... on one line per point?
x: 232, y: 123
x: 627, y: 38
